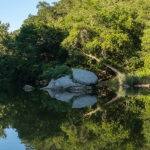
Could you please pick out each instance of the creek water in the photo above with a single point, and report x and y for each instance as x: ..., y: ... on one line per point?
x: 106, y: 120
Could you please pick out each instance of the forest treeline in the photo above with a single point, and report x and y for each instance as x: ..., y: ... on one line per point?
x: 77, y: 33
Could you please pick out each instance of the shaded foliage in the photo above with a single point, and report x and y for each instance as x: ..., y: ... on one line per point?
x: 69, y: 31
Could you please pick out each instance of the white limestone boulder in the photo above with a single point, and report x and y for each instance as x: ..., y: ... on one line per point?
x: 84, y: 77
x: 61, y: 83
x: 64, y: 82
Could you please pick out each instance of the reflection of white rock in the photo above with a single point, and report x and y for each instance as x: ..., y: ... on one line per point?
x: 50, y: 92
x: 66, y: 96
x: 84, y: 77
x: 51, y: 85
x: 62, y: 96
x: 83, y: 101
x: 28, y: 88
x: 79, y: 100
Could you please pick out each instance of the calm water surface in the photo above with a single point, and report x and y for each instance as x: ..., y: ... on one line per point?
x: 11, y: 141
x: 44, y: 120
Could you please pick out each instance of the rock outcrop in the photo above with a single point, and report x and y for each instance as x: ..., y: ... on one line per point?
x: 84, y: 77
x: 63, y: 83
x: 82, y: 81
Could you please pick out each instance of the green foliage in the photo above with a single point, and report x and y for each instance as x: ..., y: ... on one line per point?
x: 66, y: 33
x: 3, y: 35
x: 107, y: 32
x: 39, y: 42
x: 145, y: 57
x: 134, y: 79
x: 70, y: 31
x: 55, y: 72
x: 42, y: 5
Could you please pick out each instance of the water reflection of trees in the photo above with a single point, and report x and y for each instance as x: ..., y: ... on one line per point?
x: 47, y: 124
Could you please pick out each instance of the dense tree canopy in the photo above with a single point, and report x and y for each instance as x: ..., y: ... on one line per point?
x: 71, y: 34
x: 76, y: 34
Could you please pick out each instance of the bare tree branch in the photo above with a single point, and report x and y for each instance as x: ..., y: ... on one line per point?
x: 93, y: 112
x: 112, y: 101
x: 99, y: 60
x: 112, y: 68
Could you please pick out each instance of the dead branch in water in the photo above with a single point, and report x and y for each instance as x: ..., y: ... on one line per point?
x: 93, y: 112
x: 112, y: 101
x: 118, y: 96
x: 116, y: 71
x: 100, y: 109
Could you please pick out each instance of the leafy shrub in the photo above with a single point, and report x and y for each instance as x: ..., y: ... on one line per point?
x: 132, y: 80
x: 135, y: 79
x: 56, y: 72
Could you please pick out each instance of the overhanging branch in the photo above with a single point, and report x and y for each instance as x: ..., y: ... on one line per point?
x: 116, y: 71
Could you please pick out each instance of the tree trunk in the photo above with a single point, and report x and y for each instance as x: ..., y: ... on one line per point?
x: 116, y: 71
